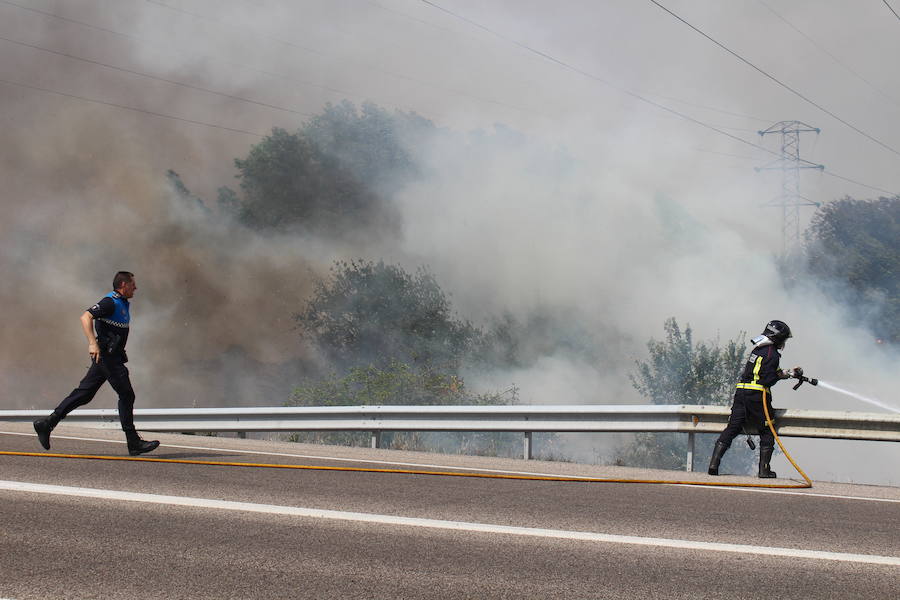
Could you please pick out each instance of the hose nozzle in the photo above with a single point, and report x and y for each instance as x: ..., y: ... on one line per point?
x: 803, y: 378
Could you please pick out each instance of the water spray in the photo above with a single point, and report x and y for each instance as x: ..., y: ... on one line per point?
x: 871, y: 401
x: 798, y: 374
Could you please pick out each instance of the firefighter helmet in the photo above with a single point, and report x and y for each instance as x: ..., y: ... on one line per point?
x: 777, y: 331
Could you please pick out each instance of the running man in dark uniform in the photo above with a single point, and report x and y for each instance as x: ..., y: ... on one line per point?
x: 106, y: 346
x: 760, y: 373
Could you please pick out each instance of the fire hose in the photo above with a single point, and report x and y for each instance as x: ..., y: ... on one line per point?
x: 769, y: 423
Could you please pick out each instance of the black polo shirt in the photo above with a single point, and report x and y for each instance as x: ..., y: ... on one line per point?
x: 112, y: 321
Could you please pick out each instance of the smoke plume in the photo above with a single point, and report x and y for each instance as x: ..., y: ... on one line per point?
x: 590, y: 210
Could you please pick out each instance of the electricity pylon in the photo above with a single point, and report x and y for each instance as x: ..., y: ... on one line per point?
x: 789, y: 163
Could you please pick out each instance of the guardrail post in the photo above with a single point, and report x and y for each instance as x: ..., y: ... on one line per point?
x: 690, y: 452
x: 376, y: 439
x: 242, y: 435
x: 528, y: 446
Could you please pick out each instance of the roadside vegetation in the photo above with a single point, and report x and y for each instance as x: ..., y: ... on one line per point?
x: 388, y: 335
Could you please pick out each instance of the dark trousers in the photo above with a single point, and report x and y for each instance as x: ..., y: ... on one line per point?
x: 109, y: 368
x: 747, y: 411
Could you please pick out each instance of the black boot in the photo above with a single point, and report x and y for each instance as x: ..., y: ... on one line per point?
x: 138, y: 446
x: 765, y: 455
x: 717, y: 454
x: 43, y: 427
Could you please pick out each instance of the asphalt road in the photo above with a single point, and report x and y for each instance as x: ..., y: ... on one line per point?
x: 334, y: 534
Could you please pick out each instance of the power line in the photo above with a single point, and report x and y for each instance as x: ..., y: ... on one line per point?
x: 412, y: 18
x: 131, y: 108
x: 264, y: 72
x: 776, y: 80
x: 61, y: 18
x: 891, y: 8
x: 224, y: 22
x: 146, y: 75
x: 826, y: 171
x: 259, y: 135
x: 278, y: 76
x: 832, y: 56
x: 865, y: 185
x: 205, y: 57
x: 707, y: 107
x: 645, y: 92
x: 190, y: 86
x: 626, y: 91
x: 155, y: 77
x: 596, y: 78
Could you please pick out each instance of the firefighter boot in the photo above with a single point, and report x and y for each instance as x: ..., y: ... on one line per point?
x: 765, y: 455
x: 717, y: 454
x: 43, y: 427
x: 138, y: 446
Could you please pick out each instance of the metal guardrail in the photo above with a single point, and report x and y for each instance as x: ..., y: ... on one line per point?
x: 690, y: 419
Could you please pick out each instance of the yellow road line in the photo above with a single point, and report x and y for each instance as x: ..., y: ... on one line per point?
x: 408, y: 471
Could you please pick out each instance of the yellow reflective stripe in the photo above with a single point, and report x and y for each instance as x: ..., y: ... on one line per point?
x: 756, y: 369
x: 751, y: 386
x: 754, y: 385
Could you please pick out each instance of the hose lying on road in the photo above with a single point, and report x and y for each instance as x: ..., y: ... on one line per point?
x: 216, y: 463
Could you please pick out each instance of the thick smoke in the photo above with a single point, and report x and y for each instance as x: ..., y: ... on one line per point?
x: 212, y: 297
x: 601, y: 217
x: 509, y: 228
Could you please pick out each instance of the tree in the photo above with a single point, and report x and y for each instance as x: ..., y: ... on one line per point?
x: 367, y: 313
x: 393, y: 336
x: 852, y: 249
x: 336, y: 175
x: 511, y: 342
x: 681, y: 372
x: 370, y: 143
x: 182, y: 191
x: 228, y: 202
x: 289, y: 183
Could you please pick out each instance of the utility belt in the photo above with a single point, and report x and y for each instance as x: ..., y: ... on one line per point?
x: 111, y: 343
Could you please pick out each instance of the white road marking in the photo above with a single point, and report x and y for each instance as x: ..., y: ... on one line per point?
x: 790, y: 493
x: 457, y: 468
x: 296, y: 511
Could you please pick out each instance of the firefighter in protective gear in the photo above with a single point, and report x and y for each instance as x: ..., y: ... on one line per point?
x: 760, y: 373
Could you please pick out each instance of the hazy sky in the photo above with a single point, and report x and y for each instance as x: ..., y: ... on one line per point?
x: 656, y: 216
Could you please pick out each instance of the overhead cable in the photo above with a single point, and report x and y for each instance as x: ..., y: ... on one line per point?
x: 647, y: 93
x: 866, y: 185
x: 832, y: 56
x: 155, y: 77
x: 599, y: 79
x: 142, y: 40
x: 131, y: 108
x: 279, y: 76
x: 628, y: 92
x: 374, y: 67
x: 778, y: 81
